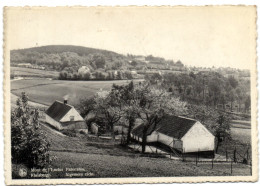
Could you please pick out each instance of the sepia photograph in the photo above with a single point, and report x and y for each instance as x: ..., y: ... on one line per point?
x: 130, y: 94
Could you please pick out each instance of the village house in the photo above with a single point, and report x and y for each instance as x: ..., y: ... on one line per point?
x: 26, y: 65
x: 62, y: 116
x: 83, y: 70
x: 182, y: 134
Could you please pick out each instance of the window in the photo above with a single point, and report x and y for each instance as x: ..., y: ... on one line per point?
x: 71, y: 118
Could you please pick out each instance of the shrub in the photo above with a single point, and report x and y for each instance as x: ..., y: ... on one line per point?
x: 70, y: 133
x: 29, y: 145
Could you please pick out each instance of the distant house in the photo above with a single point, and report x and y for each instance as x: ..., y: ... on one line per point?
x: 183, y: 134
x: 26, y: 65
x: 83, y: 70
x: 64, y: 116
x: 134, y: 73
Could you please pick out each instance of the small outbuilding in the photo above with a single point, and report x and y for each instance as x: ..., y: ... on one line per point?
x: 65, y: 116
x: 182, y: 134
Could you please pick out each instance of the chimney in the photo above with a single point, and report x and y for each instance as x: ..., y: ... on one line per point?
x: 65, y: 98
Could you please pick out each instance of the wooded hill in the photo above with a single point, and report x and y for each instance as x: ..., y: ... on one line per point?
x: 62, y: 57
x: 54, y: 49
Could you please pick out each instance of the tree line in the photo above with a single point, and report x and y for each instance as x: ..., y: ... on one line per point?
x: 210, y: 89
x: 96, y: 75
x: 63, y: 60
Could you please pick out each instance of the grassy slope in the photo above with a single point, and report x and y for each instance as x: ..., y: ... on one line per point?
x: 111, y: 160
x: 123, y: 166
x: 46, y: 91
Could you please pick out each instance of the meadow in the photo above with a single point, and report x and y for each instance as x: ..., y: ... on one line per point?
x: 29, y: 72
x: 46, y: 91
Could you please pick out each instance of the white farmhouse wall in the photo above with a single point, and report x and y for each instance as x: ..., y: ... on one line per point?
x: 167, y: 140
x: 72, y: 112
x: 152, y: 137
x: 198, y: 138
x: 53, y: 122
x: 170, y: 141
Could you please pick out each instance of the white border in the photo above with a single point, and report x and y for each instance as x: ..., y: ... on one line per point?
x: 108, y: 3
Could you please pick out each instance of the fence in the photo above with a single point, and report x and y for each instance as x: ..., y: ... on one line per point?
x: 232, y: 162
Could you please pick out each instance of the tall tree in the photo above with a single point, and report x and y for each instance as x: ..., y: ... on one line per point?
x: 152, y: 105
x: 125, y: 93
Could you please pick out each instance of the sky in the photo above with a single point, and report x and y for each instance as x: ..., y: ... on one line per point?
x: 198, y: 36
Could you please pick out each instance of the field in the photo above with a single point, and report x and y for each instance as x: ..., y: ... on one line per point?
x: 46, y: 91
x: 29, y: 72
x: 241, y: 131
x: 112, y: 160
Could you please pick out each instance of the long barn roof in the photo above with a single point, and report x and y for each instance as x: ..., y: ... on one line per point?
x: 58, y: 110
x: 172, y: 126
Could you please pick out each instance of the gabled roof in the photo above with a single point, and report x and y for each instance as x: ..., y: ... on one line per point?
x: 58, y: 110
x: 172, y: 126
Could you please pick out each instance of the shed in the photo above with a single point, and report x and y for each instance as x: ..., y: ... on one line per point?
x: 183, y: 134
x: 64, y: 116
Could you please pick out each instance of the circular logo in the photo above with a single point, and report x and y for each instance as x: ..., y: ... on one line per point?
x: 22, y: 172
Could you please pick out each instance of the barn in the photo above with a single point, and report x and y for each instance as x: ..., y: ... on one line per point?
x: 62, y: 116
x: 182, y: 134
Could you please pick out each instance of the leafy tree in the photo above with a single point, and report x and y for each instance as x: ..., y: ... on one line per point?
x: 29, y: 144
x: 233, y: 81
x: 125, y: 94
x: 155, y: 78
x: 119, y: 75
x: 99, y: 60
x: 247, y: 103
x: 107, y: 107
x: 134, y: 63
x: 152, y: 105
x: 86, y: 76
x: 217, y: 122
x: 222, y: 128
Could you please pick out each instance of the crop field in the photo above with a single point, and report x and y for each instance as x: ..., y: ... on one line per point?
x: 29, y: 72
x: 46, y: 91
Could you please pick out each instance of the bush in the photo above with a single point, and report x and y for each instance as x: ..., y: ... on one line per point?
x: 70, y: 133
x: 29, y: 145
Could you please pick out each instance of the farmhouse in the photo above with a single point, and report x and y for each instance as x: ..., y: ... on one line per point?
x: 182, y: 134
x: 64, y: 116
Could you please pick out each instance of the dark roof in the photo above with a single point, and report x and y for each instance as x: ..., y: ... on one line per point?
x: 58, y: 110
x: 173, y: 126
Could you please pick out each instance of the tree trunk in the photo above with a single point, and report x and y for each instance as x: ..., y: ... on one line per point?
x: 112, y: 131
x: 131, y: 123
x: 217, y: 145
x: 144, y: 139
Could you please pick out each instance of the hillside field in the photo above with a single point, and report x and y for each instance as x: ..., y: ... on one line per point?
x: 46, y: 91
x: 29, y: 72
